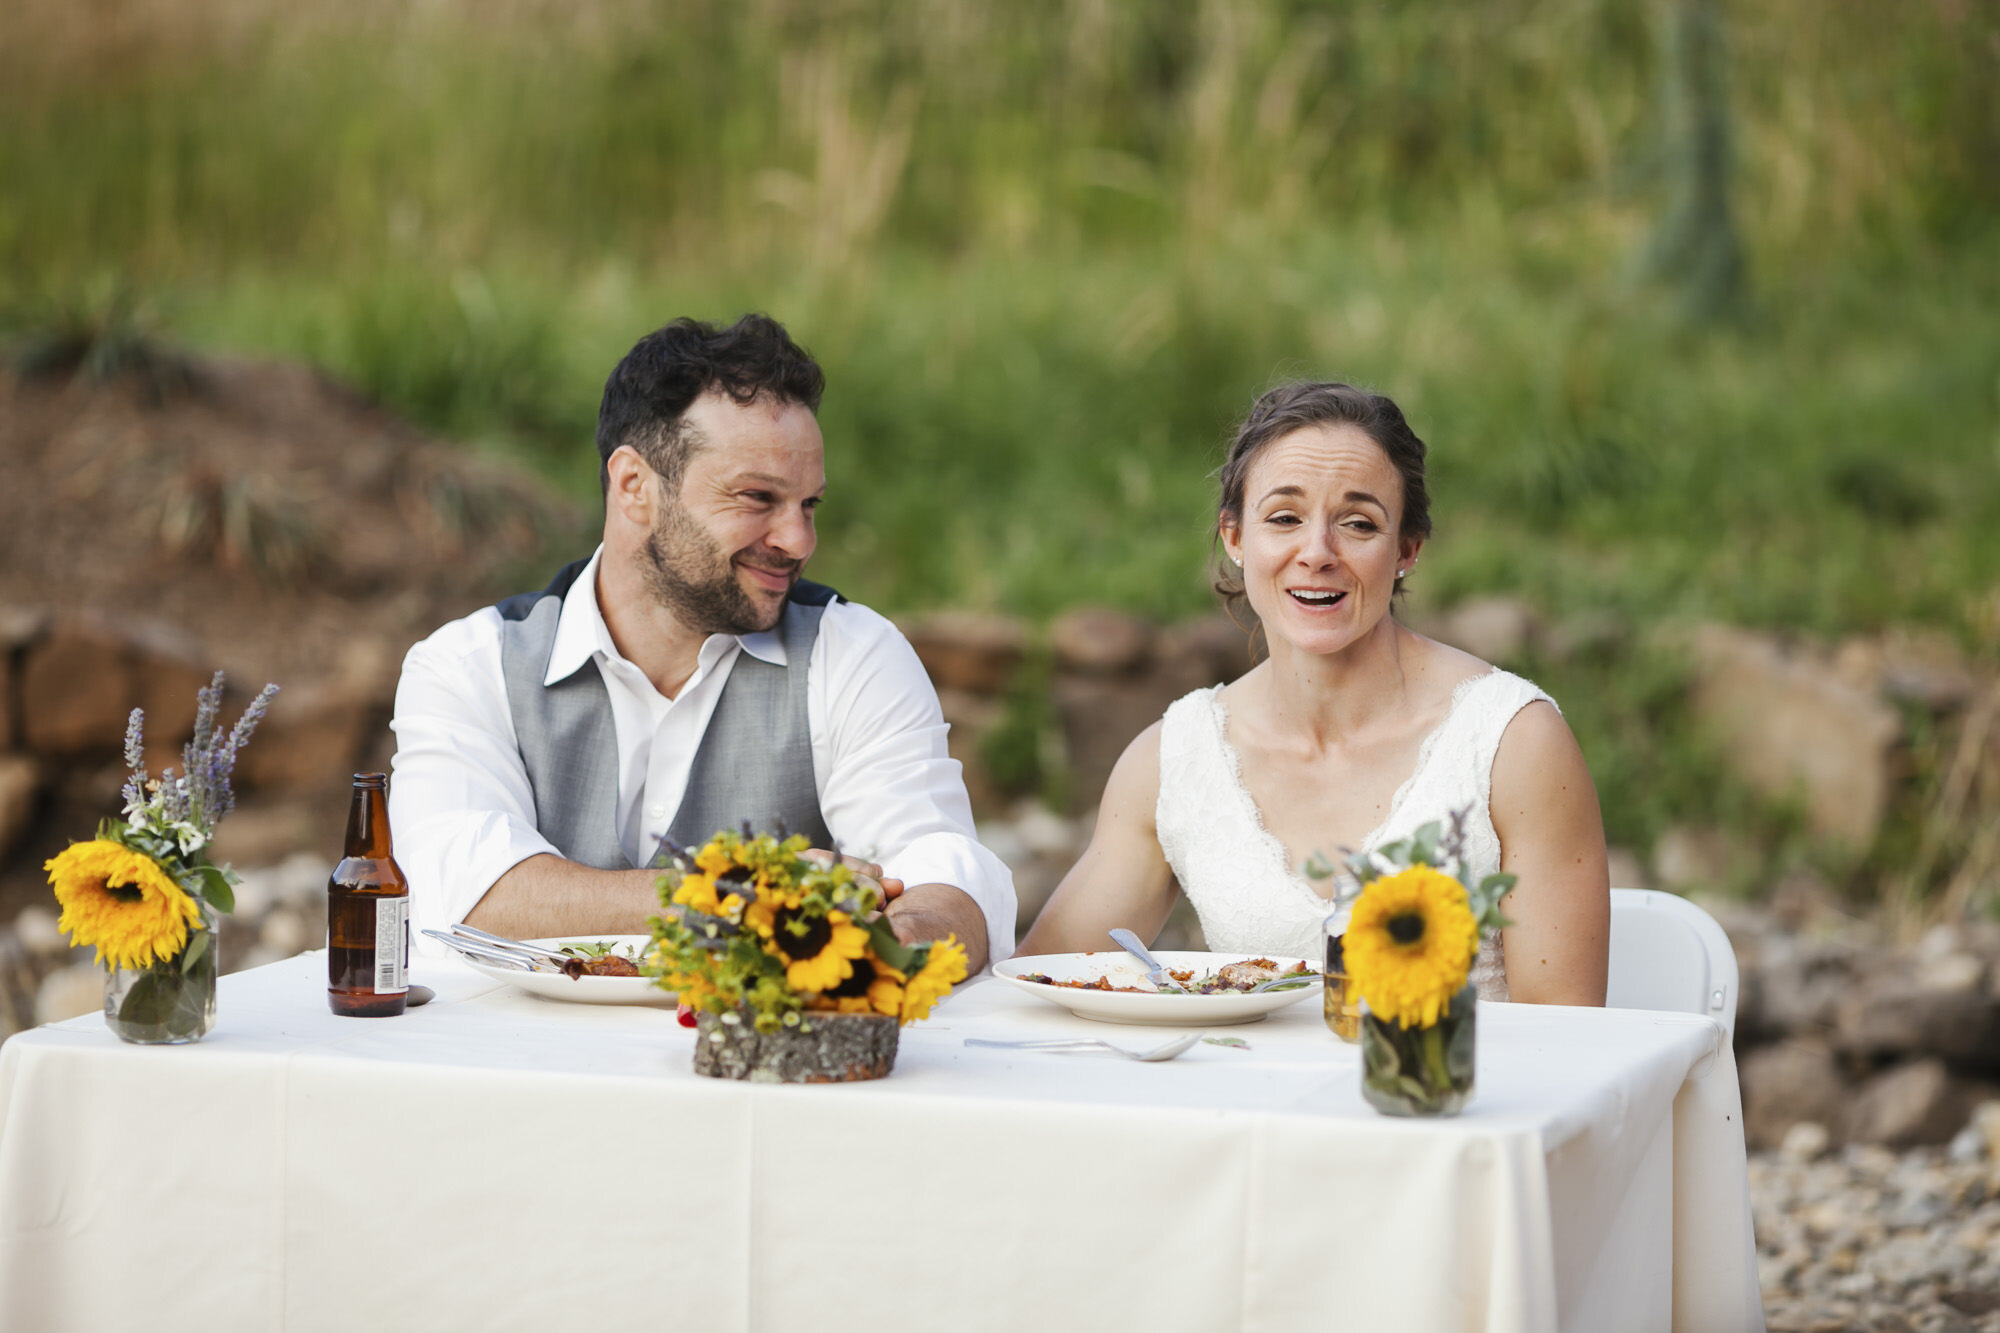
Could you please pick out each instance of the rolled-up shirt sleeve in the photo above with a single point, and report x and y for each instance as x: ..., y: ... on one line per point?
x: 888, y: 787
x: 461, y: 811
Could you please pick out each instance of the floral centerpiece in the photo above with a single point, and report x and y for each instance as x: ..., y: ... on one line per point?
x: 1409, y: 948
x: 144, y: 891
x: 787, y: 964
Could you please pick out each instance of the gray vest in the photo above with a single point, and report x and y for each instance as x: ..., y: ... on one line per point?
x: 754, y: 764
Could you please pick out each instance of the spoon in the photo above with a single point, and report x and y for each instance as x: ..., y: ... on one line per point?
x: 1166, y: 1051
x: 1156, y: 974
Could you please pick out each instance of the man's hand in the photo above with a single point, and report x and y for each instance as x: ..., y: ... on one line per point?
x: 932, y: 911
x: 868, y: 871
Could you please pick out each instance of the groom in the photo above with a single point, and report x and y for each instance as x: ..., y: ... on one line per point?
x: 683, y: 679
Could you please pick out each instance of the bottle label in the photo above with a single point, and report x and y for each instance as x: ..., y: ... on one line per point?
x: 392, y: 935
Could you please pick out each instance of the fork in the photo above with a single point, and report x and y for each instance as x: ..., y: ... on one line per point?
x: 1166, y: 1051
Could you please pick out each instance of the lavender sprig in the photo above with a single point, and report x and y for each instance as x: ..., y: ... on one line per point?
x: 134, y: 790
x: 222, y: 762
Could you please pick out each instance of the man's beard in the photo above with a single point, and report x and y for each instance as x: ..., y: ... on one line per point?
x: 694, y: 578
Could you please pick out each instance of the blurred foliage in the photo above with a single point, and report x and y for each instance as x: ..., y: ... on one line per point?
x: 1049, y: 251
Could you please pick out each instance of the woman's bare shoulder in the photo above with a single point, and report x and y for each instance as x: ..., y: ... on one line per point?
x: 1441, y: 667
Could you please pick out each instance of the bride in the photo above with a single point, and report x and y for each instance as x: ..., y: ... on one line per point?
x: 1350, y: 734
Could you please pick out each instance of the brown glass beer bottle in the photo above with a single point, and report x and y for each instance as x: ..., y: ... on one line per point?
x: 368, y: 913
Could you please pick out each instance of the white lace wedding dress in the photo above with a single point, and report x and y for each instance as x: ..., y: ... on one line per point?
x: 1249, y: 897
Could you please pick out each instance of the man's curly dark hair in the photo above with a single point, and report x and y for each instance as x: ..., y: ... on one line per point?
x: 650, y: 391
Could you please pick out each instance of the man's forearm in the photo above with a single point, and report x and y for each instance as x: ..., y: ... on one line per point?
x: 933, y: 911
x: 546, y: 896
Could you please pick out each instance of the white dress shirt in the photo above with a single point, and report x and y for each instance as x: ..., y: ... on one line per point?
x: 462, y: 813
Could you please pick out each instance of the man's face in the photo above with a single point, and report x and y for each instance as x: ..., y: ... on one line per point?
x: 723, y: 555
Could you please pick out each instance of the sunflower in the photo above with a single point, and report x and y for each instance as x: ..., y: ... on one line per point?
x: 762, y: 914
x: 1410, y: 944
x: 122, y: 902
x: 942, y: 969
x: 874, y: 988
x: 819, y: 951
x: 716, y: 858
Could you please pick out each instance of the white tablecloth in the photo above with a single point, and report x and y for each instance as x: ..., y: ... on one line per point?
x: 498, y: 1161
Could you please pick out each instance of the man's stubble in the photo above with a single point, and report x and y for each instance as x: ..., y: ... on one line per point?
x: 695, y: 579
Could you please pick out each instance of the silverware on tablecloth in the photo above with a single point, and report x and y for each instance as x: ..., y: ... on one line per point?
x: 1166, y: 1051
x: 1156, y: 974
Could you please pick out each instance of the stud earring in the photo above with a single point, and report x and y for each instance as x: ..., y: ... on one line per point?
x: 1401, y: 572
x: 1236, y: 560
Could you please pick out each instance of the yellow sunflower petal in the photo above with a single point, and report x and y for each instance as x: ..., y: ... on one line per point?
x: 944, y: 968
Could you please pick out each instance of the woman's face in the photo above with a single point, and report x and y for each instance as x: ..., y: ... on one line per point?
x: 1317, y: 538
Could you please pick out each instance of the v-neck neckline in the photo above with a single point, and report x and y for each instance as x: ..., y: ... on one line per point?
x: 1274, y: 846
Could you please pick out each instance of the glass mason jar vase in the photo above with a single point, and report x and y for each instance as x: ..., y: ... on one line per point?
x: 1420, y: 1071
x: 1342, y: 1000
x: 169, y: 1003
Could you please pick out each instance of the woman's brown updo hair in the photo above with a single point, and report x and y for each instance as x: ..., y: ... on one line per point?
x: 1293, y: 407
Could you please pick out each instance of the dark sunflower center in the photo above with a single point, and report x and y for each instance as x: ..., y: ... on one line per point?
x: 1406, y: 927
x: 798, y: 937
x: 858, y: 984
x: 734, y: 880
x: 125, y: 893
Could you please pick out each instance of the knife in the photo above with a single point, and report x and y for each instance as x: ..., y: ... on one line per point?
x: 1156, y: 974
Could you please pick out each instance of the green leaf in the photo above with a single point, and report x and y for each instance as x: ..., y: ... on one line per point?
x: 151, y: 999
x: 215, y: 886
x: 1236, y: 1042
x: 197, y: 946
x: 891, y: 950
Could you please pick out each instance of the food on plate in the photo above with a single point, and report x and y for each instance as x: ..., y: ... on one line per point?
x: 1246, y: 975
x: 599, y: 958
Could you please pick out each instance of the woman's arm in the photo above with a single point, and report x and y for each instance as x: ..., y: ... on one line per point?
x: 1552, y: 837
x: 1122, y: 878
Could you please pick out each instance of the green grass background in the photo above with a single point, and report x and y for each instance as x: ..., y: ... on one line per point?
x: 1049, y: 251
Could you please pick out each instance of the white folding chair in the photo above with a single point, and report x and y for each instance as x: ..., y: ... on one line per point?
x: 1667, y: 953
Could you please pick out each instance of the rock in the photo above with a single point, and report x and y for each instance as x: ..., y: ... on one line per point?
x: 1905, y: 1105
x: 77, y: 686
x: 1215, y: 649
x: 1498, y: 629
x: 1802, y: 897
x: 36, y: 930
x: 1587, y: 634
x: 264, y: 833
x: 309, y: 740
x: 1985, y: 1122
x: 20, y: 786
x: 1792, y: 725
x: 971, y: 716
x: 1792, y: 1081
x: 1927, y: 668
x: 1804, y: 1141
x: 967, y: 651
x: 1908, y: 1018
x: 1687, y: 859
x: 69, y: 992
x: 1100, y: 715
x: 1953, y: 972
x: 1098, y: 641
x: 284, y: 933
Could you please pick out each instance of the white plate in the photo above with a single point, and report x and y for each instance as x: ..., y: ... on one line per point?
x: 584, y: 990
x: 1185, y: 1011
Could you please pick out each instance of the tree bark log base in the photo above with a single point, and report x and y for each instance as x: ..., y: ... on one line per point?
x: 831, y: 1048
